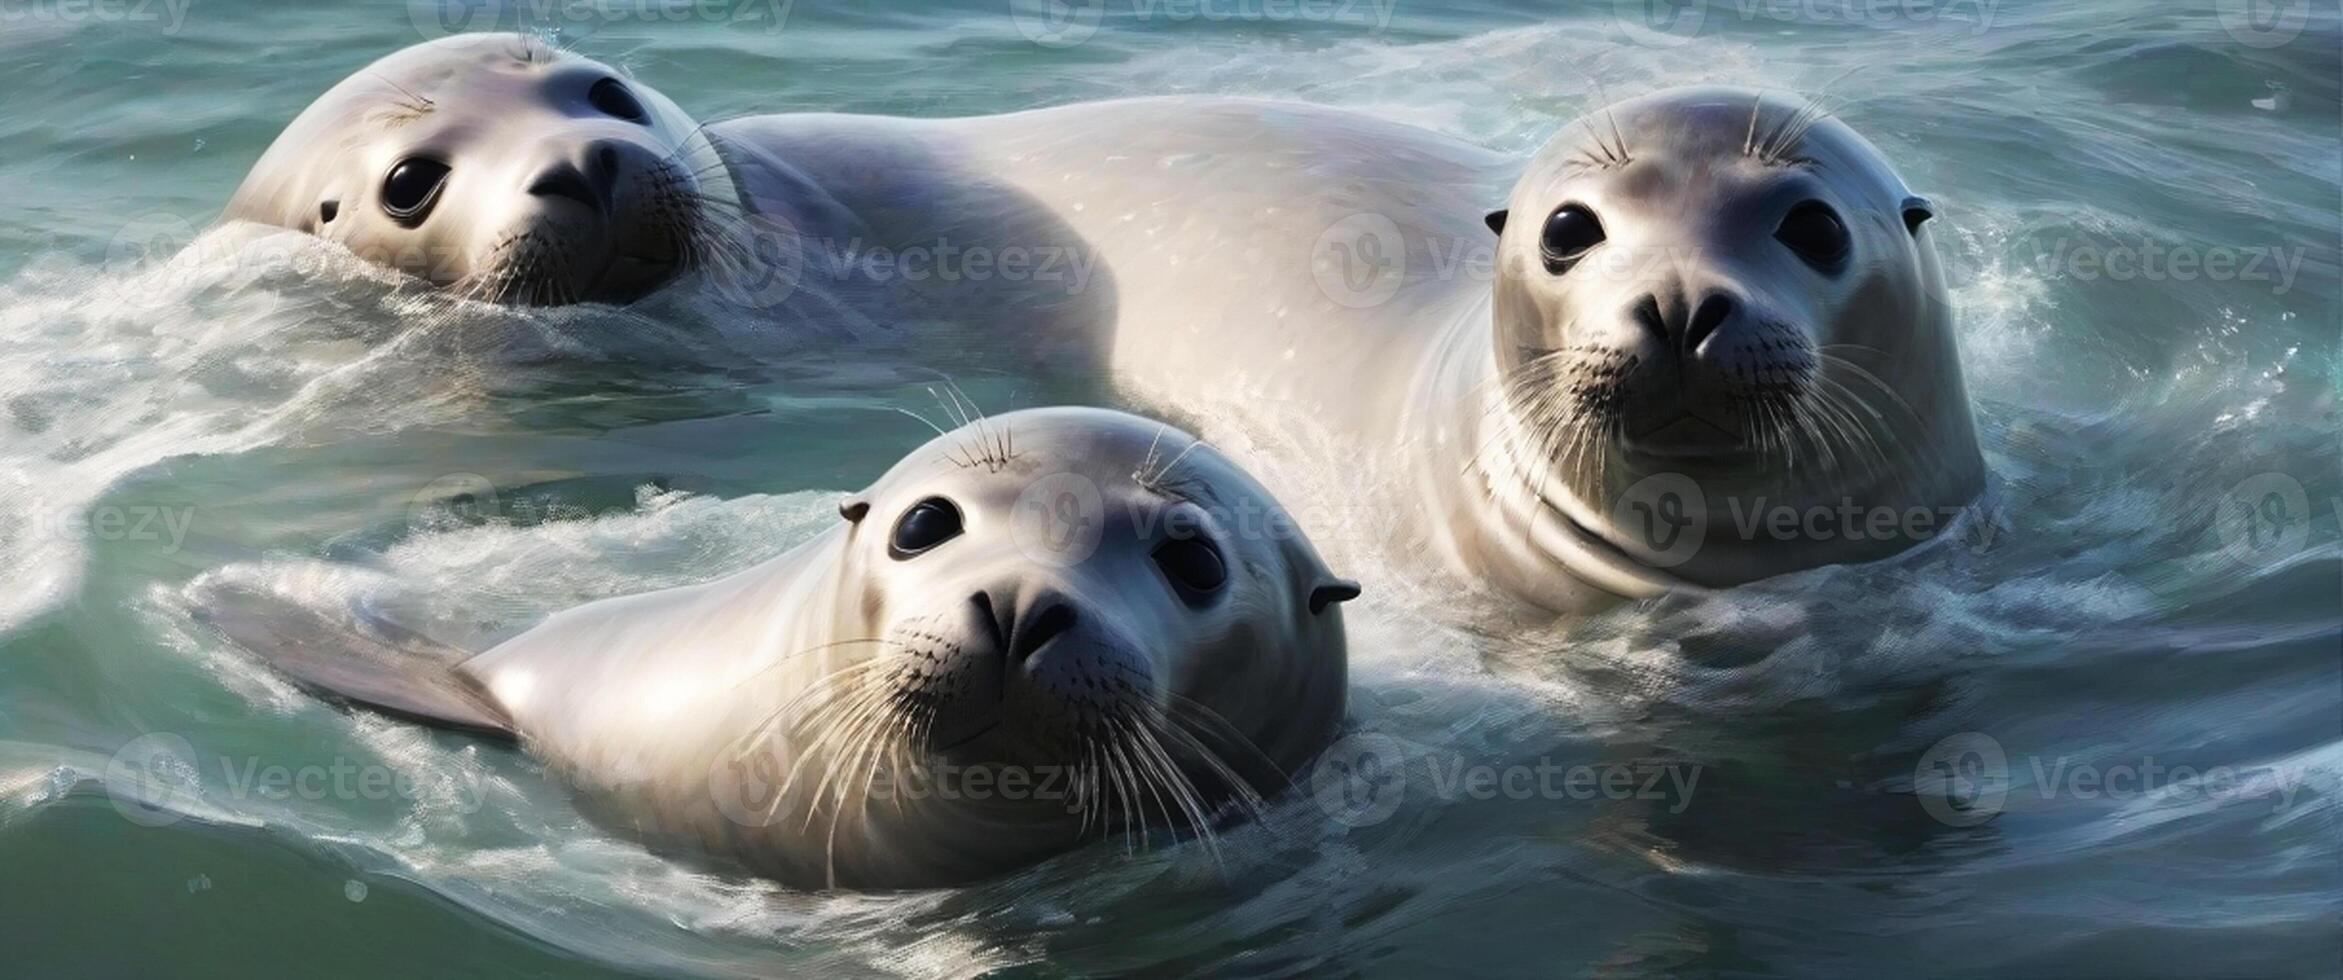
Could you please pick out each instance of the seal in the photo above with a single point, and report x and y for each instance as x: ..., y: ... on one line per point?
x: 1039, y: 630
x: 1721, y: 307
x: 499, y: 168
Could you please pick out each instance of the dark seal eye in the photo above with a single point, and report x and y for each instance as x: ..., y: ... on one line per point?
x: 413, y: 184
x: 927, y: 524
x: 1570, y: 233
x: 610, y: 96
x: 1192, y: 564
x: 1816, y: 234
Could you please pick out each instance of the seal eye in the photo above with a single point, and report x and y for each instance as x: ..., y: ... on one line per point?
x: 1570, y: 233
x: 927, y: 524
x: 1193, y: 565
x: 413, y: 184
x: 1816, y: 234
x: 610, y: 96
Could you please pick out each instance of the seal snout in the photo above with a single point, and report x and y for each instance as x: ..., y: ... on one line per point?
x: 1029, y: 665
x: 1674, y: 330
x: 593, y: 184
x: 1700, y: 373
x: 1019, y: 636
x: 612, y: 219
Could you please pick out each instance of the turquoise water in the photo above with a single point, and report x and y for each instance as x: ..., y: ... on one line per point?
x: 2157, y: 587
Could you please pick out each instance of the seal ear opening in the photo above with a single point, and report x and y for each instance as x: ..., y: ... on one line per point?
x: 853, y: 508
x: 1495, y: 220
x: 1329, y: 593
x: 1917, y: 211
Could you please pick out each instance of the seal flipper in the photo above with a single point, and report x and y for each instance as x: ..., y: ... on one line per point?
x: 395, y: 671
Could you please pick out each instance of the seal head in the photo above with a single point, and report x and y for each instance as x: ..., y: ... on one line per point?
x: 1735, y: 292
x: 1085, y: 598
x: 497, y: 165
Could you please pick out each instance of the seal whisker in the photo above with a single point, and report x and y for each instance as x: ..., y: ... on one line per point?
x: 819, y: 687
x: 1178, y: 704
x: 856, y: 729
x: 1134, y: 808
x: 1241, y: 792
x: 806, y: 754
x: 864, y: 756
x: 1146, y: 775
x: 1749, y: 139
x: 1182, y: 789
x: 1085, y: 786
x: 1886, y: 390
x: 923, y: 420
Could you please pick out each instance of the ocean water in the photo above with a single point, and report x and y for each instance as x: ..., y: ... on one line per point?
x: 2098, y: 732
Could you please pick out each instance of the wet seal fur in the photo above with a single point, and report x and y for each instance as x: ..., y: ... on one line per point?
x: 1039, y: 630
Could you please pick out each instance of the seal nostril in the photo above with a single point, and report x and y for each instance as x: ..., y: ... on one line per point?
x: 1039, y: 629
x: 992, y: 619
x: 1713, y: 313
x: 565, y: 181
x: 606, y: 164
x: 1647, y: 313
